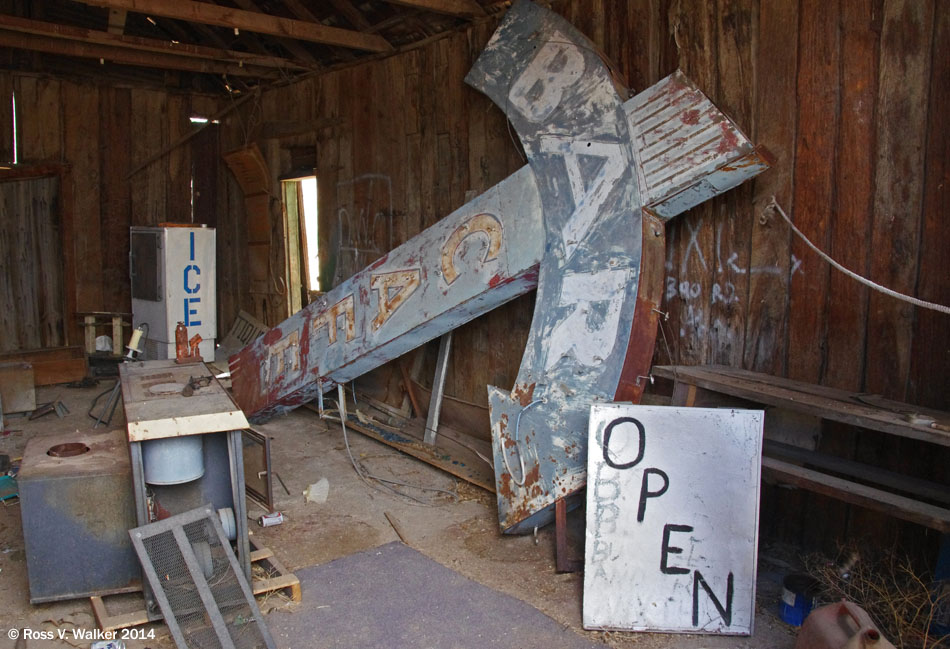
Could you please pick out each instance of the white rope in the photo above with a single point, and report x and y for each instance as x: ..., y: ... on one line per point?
x: 877, y: 287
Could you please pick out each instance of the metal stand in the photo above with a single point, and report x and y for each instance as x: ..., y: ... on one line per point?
x: 438, y: 389
x: 111, y: 403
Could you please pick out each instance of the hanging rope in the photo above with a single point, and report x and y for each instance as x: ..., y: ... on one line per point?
x: 773, y: 204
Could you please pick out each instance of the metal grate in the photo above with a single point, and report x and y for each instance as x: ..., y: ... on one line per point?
x: 200, y: 589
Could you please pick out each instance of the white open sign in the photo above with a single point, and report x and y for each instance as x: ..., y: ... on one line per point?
x: 672, y: 519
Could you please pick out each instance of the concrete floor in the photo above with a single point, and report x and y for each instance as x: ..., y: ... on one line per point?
x: 462, y: 535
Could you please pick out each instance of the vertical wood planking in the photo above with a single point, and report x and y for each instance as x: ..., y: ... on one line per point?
x: 6, y: 117
x: 115, y: 148
x: 690, y: 244
x: 930, y: 357
x: 26, y: 269
x: 818, y: 89
x: 428, y: 142
x: 850, y: 231
x: 396, y: 148
x: 39, y: 120
x: 328, y: 155
x: 178, y: 161
x: 149, y: 136
x: 906, y: 37
x: 851, y: 226
x: 81, y: 152
x: 51, y: 277
x: 930, y: 360
x: 737, y: 26
x: 9, y: 333
x: 774, y: 127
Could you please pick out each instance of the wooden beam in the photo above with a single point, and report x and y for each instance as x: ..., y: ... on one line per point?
x: 857, y: 494
x: 460, y: 8
x: 353, y: 15
x: 187, y: 136
x: 65, y: 32
x: 126, y: 56
x: 210, y: 14
x: 289, y: 44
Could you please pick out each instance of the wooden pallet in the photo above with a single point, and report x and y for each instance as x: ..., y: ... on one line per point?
x: 283, y: 580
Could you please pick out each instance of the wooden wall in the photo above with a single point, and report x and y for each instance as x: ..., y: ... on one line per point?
x: 97, y: 135
x: 850, y: 97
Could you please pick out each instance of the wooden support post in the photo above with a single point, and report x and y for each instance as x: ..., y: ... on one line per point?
x: 563, y: 563
x: 117, y: 334
x: 89, y: 322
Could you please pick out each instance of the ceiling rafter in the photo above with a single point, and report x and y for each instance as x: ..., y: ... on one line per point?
x: 289, y: 44
x: 459, y: 8
x: 127, y: 56
x: 241, y: 19
x: 300, y: 10
x: 236, y: 62
x: 353, y: 15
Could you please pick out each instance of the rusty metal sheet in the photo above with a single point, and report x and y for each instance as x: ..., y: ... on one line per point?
x: 477, y: 258
x: 560, y: 98
x: 689, y: 150
x: 594, y: 163
x: 597, y: 162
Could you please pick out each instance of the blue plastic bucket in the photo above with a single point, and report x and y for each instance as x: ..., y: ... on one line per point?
x: 799, y: 597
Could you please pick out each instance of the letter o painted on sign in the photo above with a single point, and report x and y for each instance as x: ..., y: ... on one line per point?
x: 642, y: 441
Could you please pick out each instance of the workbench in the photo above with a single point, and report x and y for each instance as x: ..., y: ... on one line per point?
x: 792, y: 458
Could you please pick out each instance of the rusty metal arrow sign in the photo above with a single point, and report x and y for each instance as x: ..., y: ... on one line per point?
x: 595, y: 315
x: 575, y: 213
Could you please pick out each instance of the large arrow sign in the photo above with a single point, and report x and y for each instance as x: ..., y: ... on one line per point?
x: 560, y: 99
x: 595, y: 315
x: 470, y: 262
x: 570, y: 224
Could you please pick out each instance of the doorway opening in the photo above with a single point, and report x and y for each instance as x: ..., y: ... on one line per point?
x: 299, y: 198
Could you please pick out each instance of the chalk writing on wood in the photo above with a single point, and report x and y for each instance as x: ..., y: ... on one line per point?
x: 672, y: 519
x: 726, y: 269
x: 364, y: 229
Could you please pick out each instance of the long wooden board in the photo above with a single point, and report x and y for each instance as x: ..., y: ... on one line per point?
x: 820, y: 401
x: 901, y: 507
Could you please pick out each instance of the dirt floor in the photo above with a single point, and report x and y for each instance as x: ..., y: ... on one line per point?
x: 462, y: 535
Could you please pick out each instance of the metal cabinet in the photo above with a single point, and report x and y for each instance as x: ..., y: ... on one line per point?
x: 173, y: 280
x: 186, y: 451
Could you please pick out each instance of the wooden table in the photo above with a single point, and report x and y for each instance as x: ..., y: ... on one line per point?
x: 798, y: 464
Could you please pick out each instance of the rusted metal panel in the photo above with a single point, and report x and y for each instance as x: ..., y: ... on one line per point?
x: 689, y: 150
x: 396, y: 285
x: 599, y: 284
x: 477, y: 258
x: 597, y: 162
x: 560, y: 98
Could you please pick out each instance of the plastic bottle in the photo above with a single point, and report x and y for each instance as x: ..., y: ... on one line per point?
x: 844, y: 625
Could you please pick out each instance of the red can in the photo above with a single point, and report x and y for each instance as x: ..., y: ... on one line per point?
x: 267, y: 520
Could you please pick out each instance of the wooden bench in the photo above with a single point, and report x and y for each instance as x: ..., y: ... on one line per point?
x: 794, y: 461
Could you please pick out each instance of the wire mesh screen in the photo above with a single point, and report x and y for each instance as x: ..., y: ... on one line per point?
x: 204, y: 597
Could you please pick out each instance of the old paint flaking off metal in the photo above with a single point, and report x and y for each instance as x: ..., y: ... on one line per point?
x: 597, y: 163
x: 577, y: 205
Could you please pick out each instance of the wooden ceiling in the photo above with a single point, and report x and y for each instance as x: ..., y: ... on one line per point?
x: 219, y: 45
